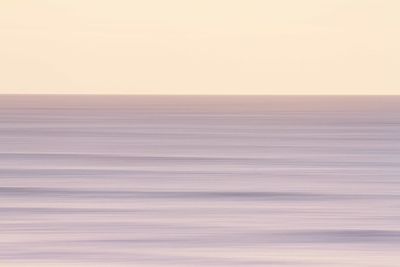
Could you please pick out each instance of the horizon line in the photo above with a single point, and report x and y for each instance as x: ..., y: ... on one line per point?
x: 288, y: 95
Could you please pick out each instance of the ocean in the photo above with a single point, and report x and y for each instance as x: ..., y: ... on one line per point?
x: 195, y: 181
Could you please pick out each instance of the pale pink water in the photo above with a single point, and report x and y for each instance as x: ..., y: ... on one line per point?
x: 199, y: 181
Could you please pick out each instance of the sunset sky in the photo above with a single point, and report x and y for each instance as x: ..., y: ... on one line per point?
x: 200, y: 47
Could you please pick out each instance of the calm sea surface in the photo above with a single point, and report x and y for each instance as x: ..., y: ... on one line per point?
x: 199, y: 181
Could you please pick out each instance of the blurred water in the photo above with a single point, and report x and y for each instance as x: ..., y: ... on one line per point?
x: 199, y: 181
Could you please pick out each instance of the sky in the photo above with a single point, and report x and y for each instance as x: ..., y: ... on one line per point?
x: 200, y: 47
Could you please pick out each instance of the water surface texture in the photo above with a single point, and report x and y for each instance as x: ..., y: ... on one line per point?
x: 199, y: 181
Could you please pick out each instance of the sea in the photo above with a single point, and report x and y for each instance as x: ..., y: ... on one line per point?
x: 199, y: 181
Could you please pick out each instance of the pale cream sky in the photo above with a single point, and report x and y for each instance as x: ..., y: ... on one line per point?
x: 200, y: 46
